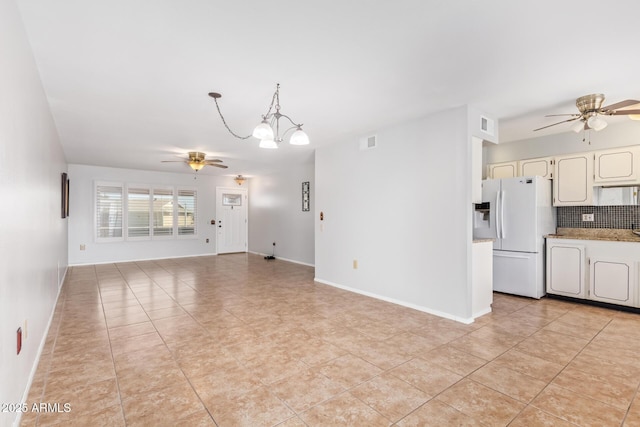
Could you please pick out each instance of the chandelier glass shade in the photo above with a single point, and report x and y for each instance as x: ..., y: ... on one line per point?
x: 268, y: 130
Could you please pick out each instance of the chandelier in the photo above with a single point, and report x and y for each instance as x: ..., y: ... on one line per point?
x: 268, y: 131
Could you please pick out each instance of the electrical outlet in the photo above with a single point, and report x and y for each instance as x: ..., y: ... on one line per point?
x: 83, y: 247
x: 207, y: 241
x: 355, y: 264
x: 587, y: 217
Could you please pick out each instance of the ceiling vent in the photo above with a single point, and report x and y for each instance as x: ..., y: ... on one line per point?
x: 369, y: 142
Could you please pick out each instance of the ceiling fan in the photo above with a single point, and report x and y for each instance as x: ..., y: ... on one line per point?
x: 197, y: 161
x: 590, y: 107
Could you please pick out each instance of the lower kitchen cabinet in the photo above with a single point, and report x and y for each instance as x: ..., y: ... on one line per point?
x: 612, y: 280
x: 565, y: 270
x: 598, y: 270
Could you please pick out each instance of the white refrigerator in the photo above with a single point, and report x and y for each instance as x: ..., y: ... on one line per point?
x: 517, y: 213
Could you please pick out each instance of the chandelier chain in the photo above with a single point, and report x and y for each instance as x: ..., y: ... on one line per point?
x: 276, y: 95
x: 268, y: 131
x: 226, y: 125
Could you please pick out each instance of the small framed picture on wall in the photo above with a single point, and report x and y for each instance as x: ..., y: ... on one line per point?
x: 305, y: 196
x: 64, y: 191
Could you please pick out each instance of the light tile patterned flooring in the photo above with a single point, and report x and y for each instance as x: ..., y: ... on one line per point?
x: 235, y: 340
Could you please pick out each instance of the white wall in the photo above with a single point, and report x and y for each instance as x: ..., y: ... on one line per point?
x: 403, y: 211
x: 620, y: 134
x: 82, y: 223
x: 275, y: 215
x: 33, y: 242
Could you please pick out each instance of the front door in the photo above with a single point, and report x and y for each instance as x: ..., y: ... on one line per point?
x: 232, y: 224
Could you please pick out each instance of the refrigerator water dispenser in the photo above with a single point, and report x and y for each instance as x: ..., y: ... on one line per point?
x: 481, y: 215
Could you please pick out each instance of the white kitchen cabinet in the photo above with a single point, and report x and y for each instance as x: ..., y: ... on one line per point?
x: 542, y: 166
x: 502, y: 170
x: 612, y: 280
x: 573, y: 180
x: 565, y: 269
x: 610, y: 268
x: 617, y: 166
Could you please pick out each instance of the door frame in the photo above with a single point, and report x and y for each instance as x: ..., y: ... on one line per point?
x: 245, y: 193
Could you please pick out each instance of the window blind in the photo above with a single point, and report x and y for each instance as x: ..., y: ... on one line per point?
x: 138, y: 212
x: 163, y: 212
x: 187, y: 213
x: 108, y: 211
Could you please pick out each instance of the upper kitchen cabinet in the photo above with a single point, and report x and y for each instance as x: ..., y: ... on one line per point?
x: 502, y: 170
x: 542, y: 166
x: 617, y: 166
x: 573, y: 180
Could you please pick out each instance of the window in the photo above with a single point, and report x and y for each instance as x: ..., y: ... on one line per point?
x: 162, y: 212
x: 138, y: 212
x: 108, y: 211
x: 186, y: 212
x: 232, y: 199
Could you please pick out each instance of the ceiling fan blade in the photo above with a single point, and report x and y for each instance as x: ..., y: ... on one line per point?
x: 218, y: 165
x: 557, y: 115
x: 621, y: 104
x: 564, y: 121
x: 213, y: 161
x: 174, y: 161
x: 623, y: 112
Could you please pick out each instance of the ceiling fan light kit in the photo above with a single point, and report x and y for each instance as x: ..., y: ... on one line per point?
x: 590, y: 109
x: 596, y: 123
x: 196, y: 166
x: 264, y: 131
x: 578, y: 127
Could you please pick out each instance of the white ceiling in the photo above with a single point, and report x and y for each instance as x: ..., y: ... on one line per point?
x: 127, y: 80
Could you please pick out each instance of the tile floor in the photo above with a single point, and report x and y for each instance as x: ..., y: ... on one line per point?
x: 235, y: 340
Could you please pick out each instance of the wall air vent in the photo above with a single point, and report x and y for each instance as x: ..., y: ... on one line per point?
x: 369, y: 142
x: 487, y: 125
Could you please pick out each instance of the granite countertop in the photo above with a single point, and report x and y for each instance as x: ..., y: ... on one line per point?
x: 610, y: 234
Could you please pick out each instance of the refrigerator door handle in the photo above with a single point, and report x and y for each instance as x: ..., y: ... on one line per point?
x: 502, y: 214
x: 498, y: 214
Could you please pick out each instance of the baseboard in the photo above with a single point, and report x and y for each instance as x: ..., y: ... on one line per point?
x: 140, y: 259
x: 284, y: 259
x: 36, y: 361
x: 442, y: 314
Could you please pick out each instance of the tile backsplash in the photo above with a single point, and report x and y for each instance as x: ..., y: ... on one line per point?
x: 625, y: 217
